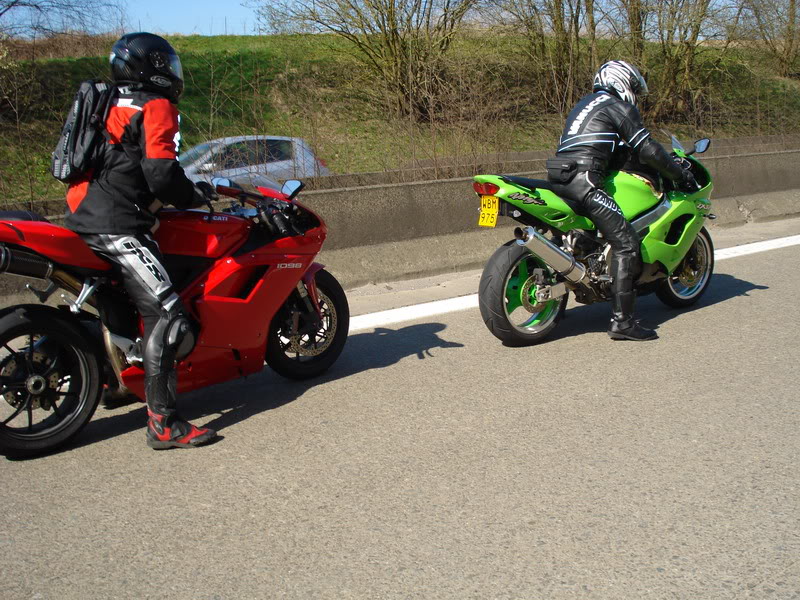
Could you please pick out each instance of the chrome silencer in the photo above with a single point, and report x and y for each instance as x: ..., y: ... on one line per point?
x: 563, y: 263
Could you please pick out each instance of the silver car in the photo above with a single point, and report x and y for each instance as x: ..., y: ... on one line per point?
x: 252, y: 160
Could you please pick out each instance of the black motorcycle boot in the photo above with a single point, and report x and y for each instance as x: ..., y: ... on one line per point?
x: 165, y: 428
x: 623, y: 326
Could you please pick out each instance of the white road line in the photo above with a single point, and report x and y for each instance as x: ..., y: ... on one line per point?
x: 440, y: 307
x: 744, y: 250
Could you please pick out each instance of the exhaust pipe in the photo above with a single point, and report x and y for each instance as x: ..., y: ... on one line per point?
x: 565, y: 264
x: 27, y: 264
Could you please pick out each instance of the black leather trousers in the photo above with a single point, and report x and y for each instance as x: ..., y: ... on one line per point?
x: 586, y: 197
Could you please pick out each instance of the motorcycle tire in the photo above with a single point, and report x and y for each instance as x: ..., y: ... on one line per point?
x: 300, y: 357
x: 692, y: 276
x: 50, y: 382
x: 506, y: 301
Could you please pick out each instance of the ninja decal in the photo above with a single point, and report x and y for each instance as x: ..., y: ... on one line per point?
x: 526, y: 199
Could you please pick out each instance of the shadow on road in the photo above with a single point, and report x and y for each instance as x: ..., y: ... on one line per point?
x: 237, y: 400
x: 652, y: 312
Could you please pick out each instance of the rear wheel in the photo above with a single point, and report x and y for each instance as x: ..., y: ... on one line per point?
x: 690, y: 279
x: 507, y: 297
x: 49, y: 381
x: 305, y: 355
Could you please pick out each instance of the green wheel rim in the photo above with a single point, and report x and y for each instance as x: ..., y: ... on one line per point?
x: 521, y: 309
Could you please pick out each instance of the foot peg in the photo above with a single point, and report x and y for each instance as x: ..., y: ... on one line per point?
x: 89, y: 287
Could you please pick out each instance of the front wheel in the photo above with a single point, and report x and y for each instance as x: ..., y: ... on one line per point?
x: 297, y: 353
x: 49, y: 380
x: 690, y: 279
x: 507, y: 297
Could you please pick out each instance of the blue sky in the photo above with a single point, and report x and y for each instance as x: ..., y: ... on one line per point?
x: 204, y: 17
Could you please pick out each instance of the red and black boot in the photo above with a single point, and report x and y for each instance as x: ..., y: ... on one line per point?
x: 173, y: 432
x: 165, y: 429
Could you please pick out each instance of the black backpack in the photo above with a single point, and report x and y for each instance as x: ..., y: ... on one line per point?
x: 83, y: 131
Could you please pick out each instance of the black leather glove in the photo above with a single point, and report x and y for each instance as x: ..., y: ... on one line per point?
x: 204, y: 194
x: 688, y: 183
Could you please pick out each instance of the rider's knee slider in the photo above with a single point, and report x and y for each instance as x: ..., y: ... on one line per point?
x: 180, y: 337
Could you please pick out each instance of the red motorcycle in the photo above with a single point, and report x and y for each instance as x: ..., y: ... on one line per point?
x: 246, y: 275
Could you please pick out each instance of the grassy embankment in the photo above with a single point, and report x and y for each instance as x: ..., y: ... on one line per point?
x: 310, y: 87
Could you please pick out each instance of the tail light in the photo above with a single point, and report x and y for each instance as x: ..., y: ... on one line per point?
x: 485, y: 189
x: 322, y: 162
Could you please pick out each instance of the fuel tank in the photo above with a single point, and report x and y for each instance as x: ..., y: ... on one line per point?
x: 199, y: 233
x: 634, y: 194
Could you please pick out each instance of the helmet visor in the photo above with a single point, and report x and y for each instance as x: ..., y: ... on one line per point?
x: 174, y: 66
x: 643, y: 91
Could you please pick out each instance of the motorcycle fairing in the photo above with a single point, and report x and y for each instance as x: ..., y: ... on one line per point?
x: 233, y: 338
x: 54, y: 242
x: 242, y: 323
x: 203, y: 367
x: 541, y: 202
x: 236, y: 300
x: 668, y: 239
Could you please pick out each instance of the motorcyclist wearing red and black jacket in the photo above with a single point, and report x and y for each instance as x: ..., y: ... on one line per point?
x: 601, y: 134
x: 114, y: 208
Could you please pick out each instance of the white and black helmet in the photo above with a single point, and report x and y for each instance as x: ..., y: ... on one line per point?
x: 620, y: 79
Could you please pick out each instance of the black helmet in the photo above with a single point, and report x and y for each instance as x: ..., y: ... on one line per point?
x: 620, y: 79
x: 148, y: 60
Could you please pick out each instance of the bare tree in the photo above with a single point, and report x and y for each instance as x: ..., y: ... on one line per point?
x: 684, y: 30
x: 402, y: 42
x: 556, y: 55
x: 776, y: 23
x: 591, y: 31
x: 47, y: 17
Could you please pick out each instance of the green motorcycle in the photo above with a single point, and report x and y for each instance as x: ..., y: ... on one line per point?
x: 525, y: 285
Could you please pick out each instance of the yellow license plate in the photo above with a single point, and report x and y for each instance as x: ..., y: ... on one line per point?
x: 490, y: 207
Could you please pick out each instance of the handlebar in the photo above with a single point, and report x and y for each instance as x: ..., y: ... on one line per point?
x: 272, y: 215
x: 272, y: 211
x: 281, y: 223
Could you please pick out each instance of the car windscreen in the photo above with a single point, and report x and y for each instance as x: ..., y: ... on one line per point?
x: 194, y: 153
x: 263, y: 151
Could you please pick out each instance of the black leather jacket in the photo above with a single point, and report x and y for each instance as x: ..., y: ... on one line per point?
x: 610, y: 131
x: 138, y: 171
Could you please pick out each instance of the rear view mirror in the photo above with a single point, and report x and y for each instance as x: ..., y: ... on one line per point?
x: 221, y: 181
x: 291, y: 188
x: 226, y: 187
x: 702, y: 145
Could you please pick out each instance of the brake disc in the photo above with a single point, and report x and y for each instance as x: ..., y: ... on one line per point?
x: 302, y: 343
x: 42, y: 400
x: 531, y: 307
x: 693, y: 267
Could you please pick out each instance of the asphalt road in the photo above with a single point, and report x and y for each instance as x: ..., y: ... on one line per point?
x: 432, y: 462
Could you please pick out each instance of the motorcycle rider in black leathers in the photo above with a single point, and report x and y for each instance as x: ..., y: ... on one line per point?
x: 602, y: 132
x: 114, y: 208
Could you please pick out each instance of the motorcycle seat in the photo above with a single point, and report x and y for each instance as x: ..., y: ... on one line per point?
x: 533, y: 184
x: 21, y: 215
